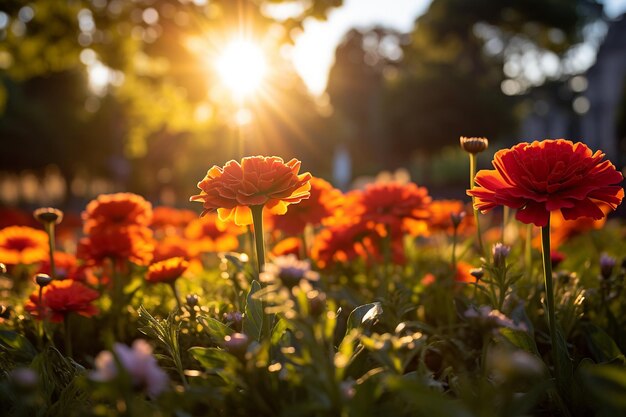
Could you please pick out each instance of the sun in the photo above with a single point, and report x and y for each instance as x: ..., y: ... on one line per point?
x: 242, y: 67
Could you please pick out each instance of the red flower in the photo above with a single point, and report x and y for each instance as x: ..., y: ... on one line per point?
x: 257, y: 181
x: 170, y: 220
x: 168, y: 270
x: 23, y: 245
x: 441, y: 212
x: 60, y: 298
x: 116, y: 211
x: 171, y: 247
x: 133, y: 243
x: 547, y: 176
x: 320, y: 205
x: 397, y: 206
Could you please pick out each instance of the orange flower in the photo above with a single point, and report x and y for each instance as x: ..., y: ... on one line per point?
x: 22, y: 245
x: 170, y: 220
x: 400, y: 207
x: 441, y: 212
x: 547, y: 176
x: 60, y: 298
x: 289, y: 246
x: 133, y: 243
x: 321, y: 204
x: 257, y: 181
x: 116, y: 211
x: 167, y: 271
x: 210, y: 234
x: 171, y: 247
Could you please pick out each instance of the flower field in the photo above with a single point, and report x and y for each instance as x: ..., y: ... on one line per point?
x: 284, y: 296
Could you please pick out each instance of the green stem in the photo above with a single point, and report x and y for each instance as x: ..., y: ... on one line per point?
x: 476, y: 220
x: 528, y: 255
x: 49, y: 226
x: 547, y: 273
x: 176, y: 295
x: 257, y: 221
x: 68, y: 336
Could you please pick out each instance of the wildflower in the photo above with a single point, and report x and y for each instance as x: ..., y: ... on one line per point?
x: 170, y: 220
x: 116, y: 211
x: 547, y: 176
x: 256, y: 181
x: 474, y: 145
x: 500, y: 251
x: 167, y: 271
x: 237, y: 344
x: 171, y: 247
x: 137, y: 361
x: 60, y: 298
x: 234, y: 319
x: 22, y: 245
x: 289, y: 271
x: 321, y: 204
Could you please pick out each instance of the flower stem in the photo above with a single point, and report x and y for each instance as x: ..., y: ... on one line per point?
x: 454, y: 243
x: 547, y: 273
x: 472, y: 175
x: 257, y: 221
x: 49, y: 226
x: 176, y: 295
x: 505, y: 219
x: 528, y: 255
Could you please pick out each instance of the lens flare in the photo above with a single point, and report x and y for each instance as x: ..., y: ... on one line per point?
x: 242, y: 67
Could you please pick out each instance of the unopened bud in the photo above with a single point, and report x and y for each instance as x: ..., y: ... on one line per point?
x: 457, y: 218
x: 43, y: 279
x: 474, y: 145
x: 607, y: 263
x: 500, y: 252
x: 192, y: 300
x: 477, y: 273
x: 234, y: 319
x: 48, y: 215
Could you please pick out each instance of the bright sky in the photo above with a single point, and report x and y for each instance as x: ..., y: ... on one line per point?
x: 315, y: 49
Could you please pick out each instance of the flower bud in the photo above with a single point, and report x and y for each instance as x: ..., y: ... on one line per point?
x: 192, y: 300
x: 47, y: 215
x: 43, y: 279
x: 474, y: 145
x: 477, y: 273
x: 234, y: 319
x: 607, y: 263
x: 24, y: 378
x: 457, y: 218
x: 500, y: 252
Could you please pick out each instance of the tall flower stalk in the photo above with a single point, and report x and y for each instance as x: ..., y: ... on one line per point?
x: 259, y: 241
x: 474, y: 146
x: 547, y: 274
x: 49, y: 218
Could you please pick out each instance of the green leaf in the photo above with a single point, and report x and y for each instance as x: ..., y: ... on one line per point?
x: 565, y: 377
x: 520, y: 339
x: 215, y: 328
x: 17, y: 346
x: 363, y: 315
x: 602, y: 347
x: 253, y: 318
x: 212, y: 359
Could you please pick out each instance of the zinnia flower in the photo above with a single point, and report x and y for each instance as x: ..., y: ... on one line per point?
x: 546, y: 176
x: 170, y: 220
x: 167, y: 271
x: 137, y: 362
x: 210, y: 234
x: 23, y: 245
x: 441, y: 216
x: 116, y: 211
x: 60, y: 298
x: 257, y: 181
x: 171, y: 247
x: 320, y: 205
x: 134, y: 244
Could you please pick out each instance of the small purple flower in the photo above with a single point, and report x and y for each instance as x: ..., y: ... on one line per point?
x: 137, y: 361
x: 491, y: 319
x: 500, y: 251
x: 289, y: 270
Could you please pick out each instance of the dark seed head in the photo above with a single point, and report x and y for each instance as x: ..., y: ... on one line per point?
x: 474, y: 145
